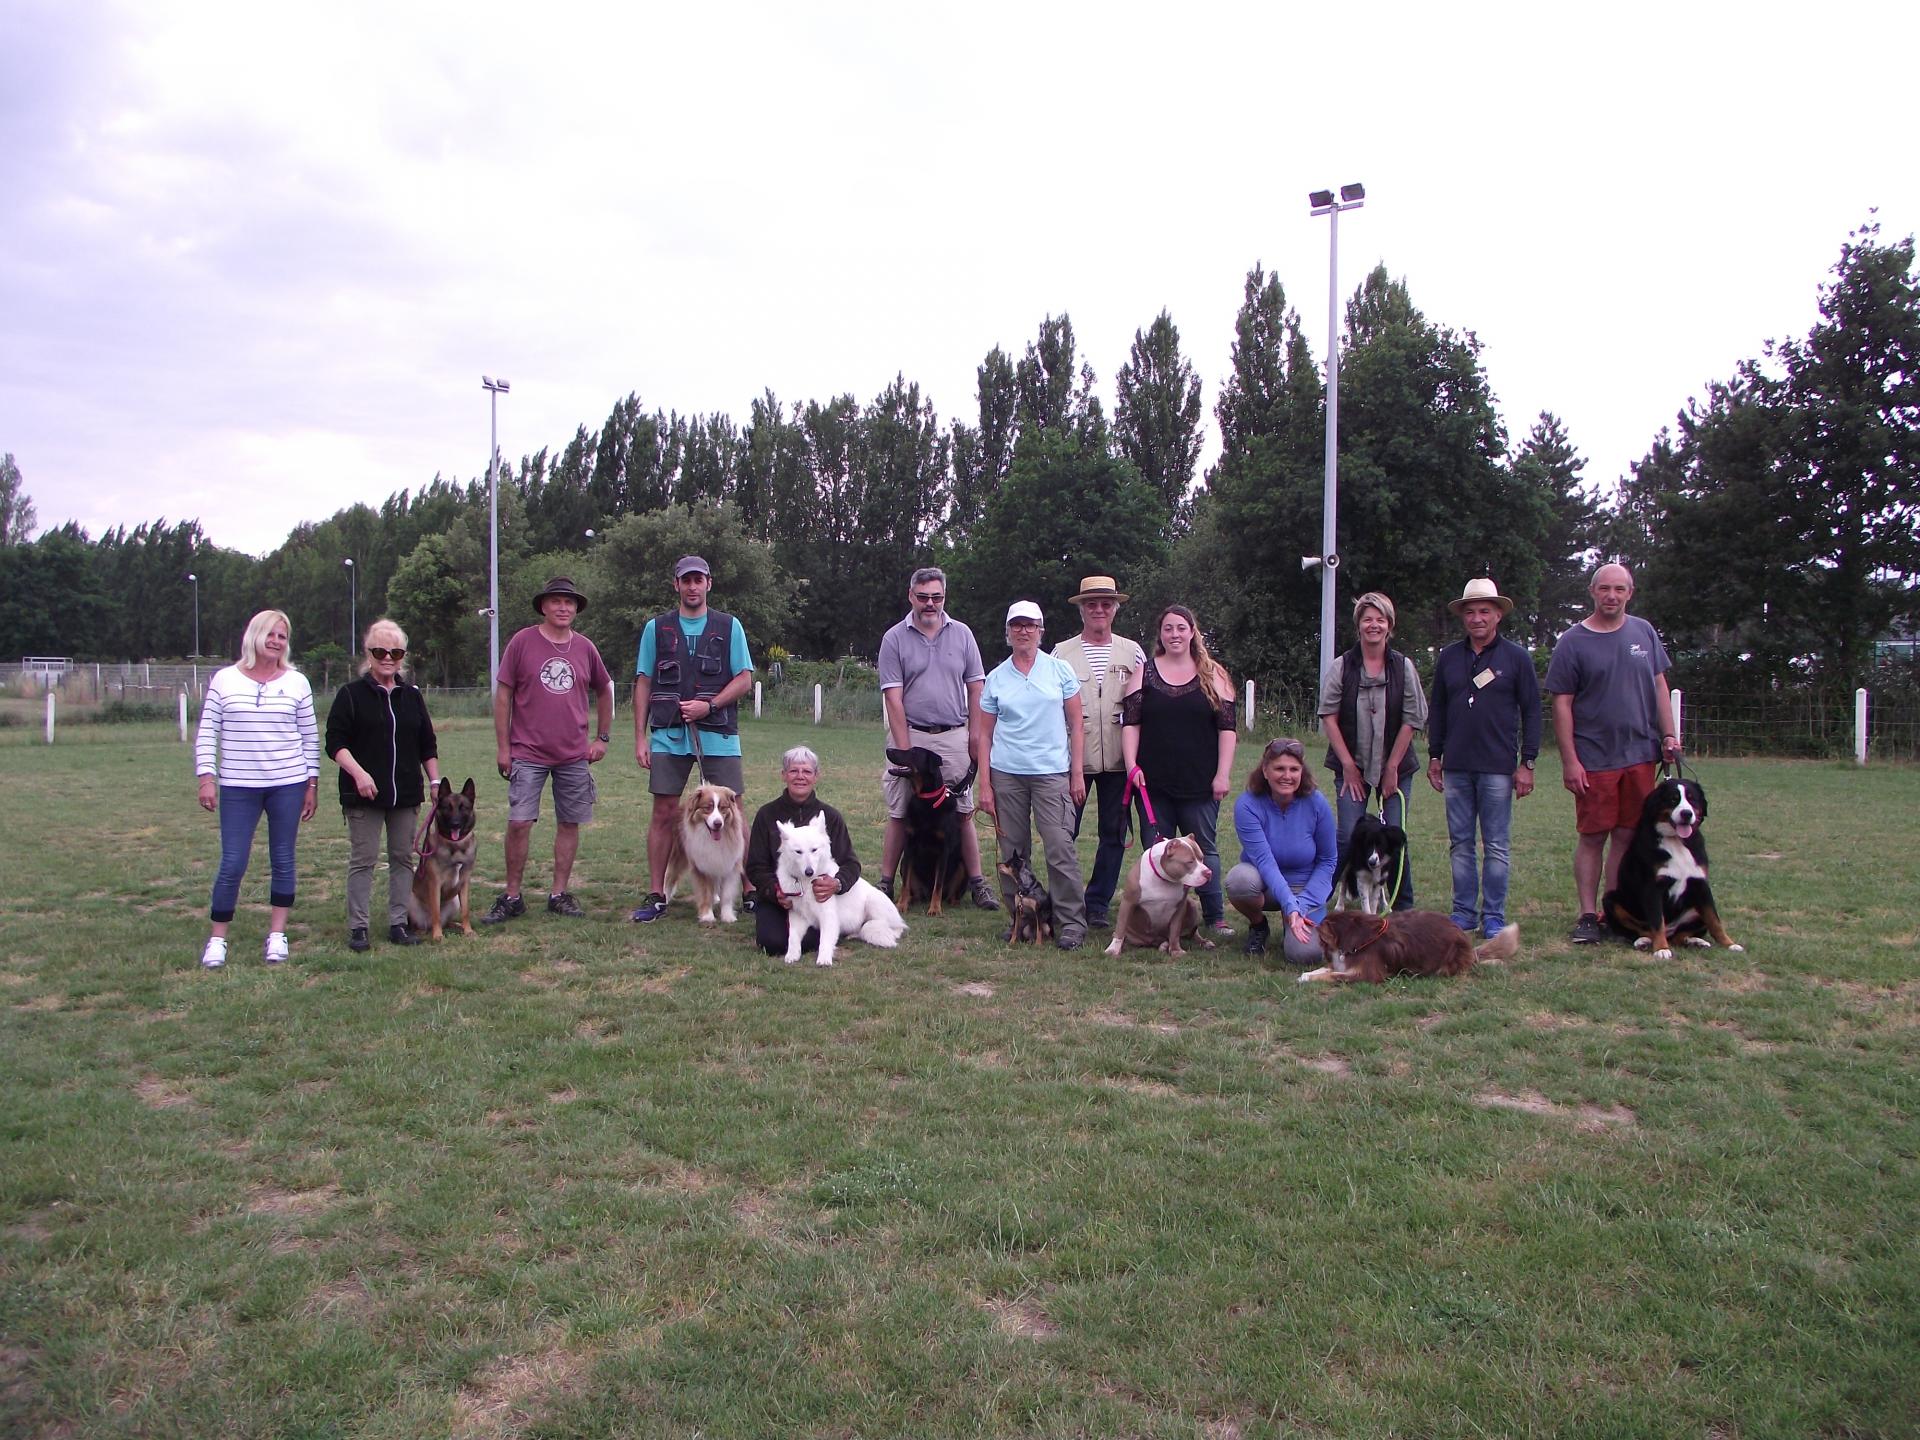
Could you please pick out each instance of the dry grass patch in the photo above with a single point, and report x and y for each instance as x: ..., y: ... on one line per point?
x: 505, y: 1397
x: 1154, y: 1089
x: 976, y: 988
x: 1020, y: 1318
x: 564, y: 1096
x: 597, y: 1031
x: 158, y: 1094
x: 1552, y: 1020
x: 663, y: 982
x: 273, y: 1200
x: 43, y: 1002
x: 1586, y: 1116
x: 1325, y: 1064
x: 345, y: 1298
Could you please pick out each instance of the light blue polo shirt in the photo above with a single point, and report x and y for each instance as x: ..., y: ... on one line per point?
x: 676, y: 741
x: 1029, y: 716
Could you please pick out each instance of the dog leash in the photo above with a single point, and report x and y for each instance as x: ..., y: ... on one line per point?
x: 1399, y: 870
x: 1137, y: 784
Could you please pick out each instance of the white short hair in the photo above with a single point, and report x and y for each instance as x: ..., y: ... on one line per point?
x: 799, y: 755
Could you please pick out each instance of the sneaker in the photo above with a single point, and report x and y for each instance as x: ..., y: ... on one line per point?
x: 506, y: 907
x: 565, y: 904
x: 401, y: 935
x: 885, y: 886
x: 652, y: 910
x: 983, y: 896
x: 1587, y: 931
x: 357, y: 939
x: 1097, y: 919
x: 215, y: 955
x: 1221, y: 927
x: 1257, y: 936
x: 275, y: 950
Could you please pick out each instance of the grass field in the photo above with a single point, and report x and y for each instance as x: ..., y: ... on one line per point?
x: 596, y: 1179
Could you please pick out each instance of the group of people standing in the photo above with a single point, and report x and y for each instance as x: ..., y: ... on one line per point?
x: 1150, y: 736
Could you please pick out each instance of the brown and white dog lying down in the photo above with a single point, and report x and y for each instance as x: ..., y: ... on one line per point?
x: 709, y: 845
x: 1157, y: 903
x: 1406, y: 942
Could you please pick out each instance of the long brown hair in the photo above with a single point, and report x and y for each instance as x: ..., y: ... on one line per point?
x: 1285, y: 745
x: 1211, y: 672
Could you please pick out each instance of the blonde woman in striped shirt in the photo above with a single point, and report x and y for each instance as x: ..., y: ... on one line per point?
x: 257, y: 752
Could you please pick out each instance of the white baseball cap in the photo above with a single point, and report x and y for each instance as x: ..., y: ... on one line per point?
x: 1025, y: 610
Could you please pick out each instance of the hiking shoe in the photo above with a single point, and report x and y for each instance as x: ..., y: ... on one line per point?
x: 275, y: 950
x: 215, y: 955
x: 1257, y: 936
x: 565, y: 904
x: 401, y: 935
x: 1097, y: 919
x: 652, y: 910
x: 885, y: 886
x: 506, y: 907
x: 1070, y: 941
x: 357, y: 939
x: 1587, y: 931
x: 983, y: 896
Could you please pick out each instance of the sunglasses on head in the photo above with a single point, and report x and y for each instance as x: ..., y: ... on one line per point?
x: 380, y: 652
x: 1286, y: 747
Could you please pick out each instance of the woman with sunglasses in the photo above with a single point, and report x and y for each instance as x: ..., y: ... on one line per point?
x: 380, y: 736
x: 257, y: 752
x: 1287, y: 853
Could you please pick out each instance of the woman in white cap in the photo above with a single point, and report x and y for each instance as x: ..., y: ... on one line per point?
x: 1030, y: 753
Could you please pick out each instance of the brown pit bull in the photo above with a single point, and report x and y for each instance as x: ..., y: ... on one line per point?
x: 1157, y: 904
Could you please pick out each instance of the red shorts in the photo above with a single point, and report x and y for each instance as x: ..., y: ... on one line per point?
x: 1614, y: 799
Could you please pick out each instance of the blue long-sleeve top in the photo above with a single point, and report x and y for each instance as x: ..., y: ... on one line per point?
x: 1293, y: 849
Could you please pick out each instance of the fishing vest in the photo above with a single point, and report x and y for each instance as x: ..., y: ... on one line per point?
x: 700, y: 674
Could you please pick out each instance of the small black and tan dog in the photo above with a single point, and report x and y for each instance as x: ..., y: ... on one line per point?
x: 933, y: 868
x: 1032, y: 905
x: 1662, y: 894
x: 444, y: 877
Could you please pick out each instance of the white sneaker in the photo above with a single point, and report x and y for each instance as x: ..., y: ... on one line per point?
x: 275, y: 950
x: 215, y: 955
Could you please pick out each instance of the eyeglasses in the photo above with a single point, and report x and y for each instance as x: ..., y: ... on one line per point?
x: 921, y: 597
x: 1286, y: 747
x: 380, y: 652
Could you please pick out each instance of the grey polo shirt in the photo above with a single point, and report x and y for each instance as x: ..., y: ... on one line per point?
x: 931, y: 672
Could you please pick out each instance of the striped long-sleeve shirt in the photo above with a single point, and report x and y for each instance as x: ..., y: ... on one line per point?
x: 256, y: 734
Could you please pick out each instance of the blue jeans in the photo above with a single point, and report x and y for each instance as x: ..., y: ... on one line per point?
x: 1488, y: 801
x: 1201, y: 820
x: 240, y: 811
x: 1347, y: 814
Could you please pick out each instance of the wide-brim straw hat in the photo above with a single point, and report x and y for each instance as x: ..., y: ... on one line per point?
x: 561, y: 585
x: 1099, y: 587
x: 1481, y: 589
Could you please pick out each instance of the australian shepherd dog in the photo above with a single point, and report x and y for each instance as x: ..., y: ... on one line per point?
x: 1408, y: 942
x: 709, y: 845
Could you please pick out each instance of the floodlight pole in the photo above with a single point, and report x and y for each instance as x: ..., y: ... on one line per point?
x: 1352, y: 197
x: 495, y: 389
x: 195, y: 579
x: 353, y: 607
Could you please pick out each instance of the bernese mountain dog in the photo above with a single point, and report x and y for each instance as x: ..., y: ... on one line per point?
x: 1662, y: 894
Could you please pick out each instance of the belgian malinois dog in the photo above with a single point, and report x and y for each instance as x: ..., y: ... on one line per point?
x: 444, y: 876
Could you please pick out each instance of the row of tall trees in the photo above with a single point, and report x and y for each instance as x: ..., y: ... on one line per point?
x: 1796, y: 476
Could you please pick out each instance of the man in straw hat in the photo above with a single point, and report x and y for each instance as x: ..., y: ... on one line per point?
x: 1484, y: 712
x: 540, y: 731
x: 1103, y: 662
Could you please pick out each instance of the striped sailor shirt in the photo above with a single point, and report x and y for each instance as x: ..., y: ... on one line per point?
x: 257, y: 734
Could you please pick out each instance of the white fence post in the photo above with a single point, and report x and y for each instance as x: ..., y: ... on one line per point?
x: 756, y: 699
x: 1673, y: 696
x: 49, y: 717
x: 183, y: 717
x: 1249, y: 724
x: 816, y: 704
x: 1860, y: 727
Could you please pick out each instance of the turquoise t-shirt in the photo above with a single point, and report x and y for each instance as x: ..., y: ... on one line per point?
x: 677, y: 740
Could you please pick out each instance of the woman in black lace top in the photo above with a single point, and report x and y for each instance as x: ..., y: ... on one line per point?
x: 1177, y: 739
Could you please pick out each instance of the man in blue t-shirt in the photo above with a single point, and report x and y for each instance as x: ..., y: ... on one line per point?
x: 687, y: 686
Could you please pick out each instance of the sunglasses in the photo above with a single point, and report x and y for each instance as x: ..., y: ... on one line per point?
x: 1286, y: 747
x: 380, y: 652
x: 921, y: 597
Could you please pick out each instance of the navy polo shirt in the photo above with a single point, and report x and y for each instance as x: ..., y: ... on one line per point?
x: 1479, y: 729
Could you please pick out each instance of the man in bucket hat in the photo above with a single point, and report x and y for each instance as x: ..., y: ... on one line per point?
x: 1484, y: 712
x: 540, y: 732
x: 1103, y: 662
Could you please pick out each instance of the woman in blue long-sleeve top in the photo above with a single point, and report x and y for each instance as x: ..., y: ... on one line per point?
x: 1287, y: 853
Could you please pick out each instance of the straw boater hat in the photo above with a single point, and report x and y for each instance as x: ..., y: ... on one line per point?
x: 1099, y: 587
x: 1482, y: 589
x: 561, y: 585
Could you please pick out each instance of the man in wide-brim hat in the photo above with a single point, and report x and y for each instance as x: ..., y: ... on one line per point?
x: 540, y: 734
x: 1483, y: 713
x: 1104, y: 662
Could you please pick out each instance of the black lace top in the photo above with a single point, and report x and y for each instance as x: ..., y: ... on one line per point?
x: 1180, y: 729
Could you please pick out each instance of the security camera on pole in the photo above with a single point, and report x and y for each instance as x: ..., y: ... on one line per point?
x: 1323, y: 203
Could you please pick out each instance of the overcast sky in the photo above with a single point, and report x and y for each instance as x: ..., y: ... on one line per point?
x: 255, y: 258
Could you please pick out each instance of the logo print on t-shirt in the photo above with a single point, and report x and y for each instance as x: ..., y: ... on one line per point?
x: 557, y: 675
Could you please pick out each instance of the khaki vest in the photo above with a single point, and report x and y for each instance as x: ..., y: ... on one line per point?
x: 1100, y: 704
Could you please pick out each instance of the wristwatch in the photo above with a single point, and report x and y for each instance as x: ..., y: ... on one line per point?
x: 604, y: 738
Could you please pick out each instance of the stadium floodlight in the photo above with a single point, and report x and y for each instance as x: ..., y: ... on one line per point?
x: 495, y: 389
x: 1322, y: 202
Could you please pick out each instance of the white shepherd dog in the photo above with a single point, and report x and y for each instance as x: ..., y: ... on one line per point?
x: 862, y: 911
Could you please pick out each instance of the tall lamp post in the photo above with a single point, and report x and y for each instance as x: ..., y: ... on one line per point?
x: 495, y: 389
x: 195, y: 579
x: 353, y: 608
x: 1323, y: 203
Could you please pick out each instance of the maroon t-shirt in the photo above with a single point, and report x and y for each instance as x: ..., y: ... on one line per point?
x: 550, y: 684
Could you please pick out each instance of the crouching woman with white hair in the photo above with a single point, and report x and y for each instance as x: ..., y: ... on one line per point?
x: 796, y: 805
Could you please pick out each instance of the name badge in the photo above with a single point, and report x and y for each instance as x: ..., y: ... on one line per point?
x: 1483, y: 679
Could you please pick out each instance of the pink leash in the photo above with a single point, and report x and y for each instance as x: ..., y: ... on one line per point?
x: 1138, y: 782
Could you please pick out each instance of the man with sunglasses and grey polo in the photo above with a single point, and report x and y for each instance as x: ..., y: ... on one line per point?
x: 931, y: 676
